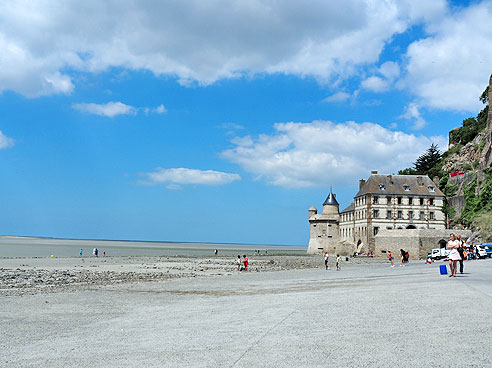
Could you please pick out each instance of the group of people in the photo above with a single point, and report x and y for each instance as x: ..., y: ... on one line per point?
x: 339, y: 262
x: 404, y: 256
x: 458, y: 253
x: 242, y: 265
x: 95, y: 252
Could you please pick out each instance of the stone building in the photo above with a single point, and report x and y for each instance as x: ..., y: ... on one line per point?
x: 389, y: 202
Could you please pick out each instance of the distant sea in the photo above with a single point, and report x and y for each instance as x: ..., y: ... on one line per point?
x: 13, y: 246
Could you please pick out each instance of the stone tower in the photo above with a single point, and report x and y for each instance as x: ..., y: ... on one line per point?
x: 324, y: 227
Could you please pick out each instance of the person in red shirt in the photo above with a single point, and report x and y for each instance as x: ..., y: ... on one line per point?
x: 245, y: 262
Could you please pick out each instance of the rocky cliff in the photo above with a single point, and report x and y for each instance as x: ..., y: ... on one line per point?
x: 469, y: 193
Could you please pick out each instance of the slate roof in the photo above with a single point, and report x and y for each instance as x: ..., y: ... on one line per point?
x: 350, y: 208
x: 418, y: 185
x: 330, y: 200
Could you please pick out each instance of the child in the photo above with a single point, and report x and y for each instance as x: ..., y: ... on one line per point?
x: 326, y: 261
x: 391, y: 258
x: 238, y: 262
x: 339, y: 261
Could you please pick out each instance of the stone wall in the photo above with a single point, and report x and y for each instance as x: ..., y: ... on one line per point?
x: 417, y: 242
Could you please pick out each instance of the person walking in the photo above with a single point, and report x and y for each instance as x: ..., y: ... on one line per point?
x: 391, y: 258
x: 404, y: 258
x: 245, y: 262
x: 326, y: 261
x: 339, y: 262
x: 454, y: 256
x: 238, y: 262
x: 80, y: 253
x: 461, y: 252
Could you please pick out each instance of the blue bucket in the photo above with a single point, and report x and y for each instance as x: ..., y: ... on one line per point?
x: 443, y: 269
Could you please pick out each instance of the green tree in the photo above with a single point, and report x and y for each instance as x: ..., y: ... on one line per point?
x: 484, y: 98
x: 427, y: 161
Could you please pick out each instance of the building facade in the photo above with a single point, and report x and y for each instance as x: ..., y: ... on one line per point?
x: 389, y: 202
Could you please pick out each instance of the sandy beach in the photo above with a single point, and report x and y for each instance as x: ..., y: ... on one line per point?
x: 203, y: 313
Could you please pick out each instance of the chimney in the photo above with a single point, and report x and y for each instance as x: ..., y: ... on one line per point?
x: 436, y: 180
x: 374, y: 172
x: 361, y: 183
x: 420, y: 181
x: 390, y: 179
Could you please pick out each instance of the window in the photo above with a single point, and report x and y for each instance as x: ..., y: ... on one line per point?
x: 431, y: 188
x: 422, y: 215
x: 407, y: 188
x: 410, y: 215
x: 400, y: 215
x: 431, y: 201
x: 410, y: 201
x: 388, y: 200
x: 376, y: 231
x: 376, y: 214
x: 382, y: 187
x: 388, y: 215
x: 375, y: 199
x: 421, y: 201
x: 431, y: 215
x: 399, y: 200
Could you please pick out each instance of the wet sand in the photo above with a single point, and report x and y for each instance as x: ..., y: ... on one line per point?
x: 46, y: 274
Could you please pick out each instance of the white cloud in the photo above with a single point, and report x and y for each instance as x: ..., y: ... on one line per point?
x: 450, y: 68
x: 412, y: 112
x: 338, y: 97
x: 196, y: 41
x: 110, y: 109
x: 388, y: 72
x: 160, y: 109
x: 5, y: 142
x: 322, y: 153
x: 178, y: 176
x: 375, y: 84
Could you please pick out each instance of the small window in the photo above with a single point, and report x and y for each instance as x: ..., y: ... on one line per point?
x: 399, y: 200
x: 422, y: 215
x: 410, y: 215
x: 388, y: 200
x: 431, y: 215
x: 376, y: 213
x: 388, y: 215
x: 375, y: 200
x: 407, y: 188
x: 376, y: 231
x: 410, y: 201
x: 431, y: 201
x: 400, y: 215
x: 431, y: 188
x: 382, y: 187
x: 421, y: 201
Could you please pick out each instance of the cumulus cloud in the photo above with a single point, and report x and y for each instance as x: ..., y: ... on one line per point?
x: 450, y: 68
x: 196, y: 41
x: 412, y: 113
x: 322, y: 153
x: 160, y: 109
x: 179, y: 176
x: 388, y: 72
x: 338, y: 97
x: 110, y: 109
x: 5, y: 142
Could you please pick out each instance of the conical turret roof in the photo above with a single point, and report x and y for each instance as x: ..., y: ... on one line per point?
x: 330, y: 200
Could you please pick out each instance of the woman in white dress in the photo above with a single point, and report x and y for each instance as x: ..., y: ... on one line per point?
x: 454, y: 256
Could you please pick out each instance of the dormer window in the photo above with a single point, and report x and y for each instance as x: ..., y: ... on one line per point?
x: 431, y: 188
x: 382, y: 187
x: 407, y: 188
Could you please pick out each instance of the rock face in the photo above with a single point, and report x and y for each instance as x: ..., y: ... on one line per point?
x: 472, y: 159
x: 486, y: 157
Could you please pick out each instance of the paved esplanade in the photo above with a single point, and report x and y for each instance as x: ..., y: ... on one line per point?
x: 369, y: 316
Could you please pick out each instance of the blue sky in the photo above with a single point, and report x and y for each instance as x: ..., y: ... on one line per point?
x: 221, y: 122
